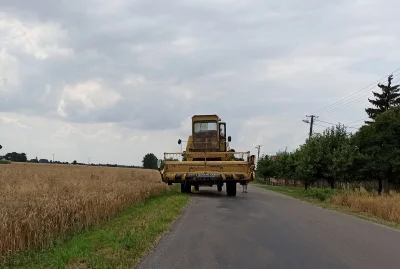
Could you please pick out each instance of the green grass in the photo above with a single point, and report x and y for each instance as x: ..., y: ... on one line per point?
x: 119, y: 243
x: 320, y: 197
x: 315, y: 195
x: 4, y: 162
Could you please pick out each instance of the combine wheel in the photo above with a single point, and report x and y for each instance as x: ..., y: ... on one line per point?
x: 183, y: 187
x: 219, y: 188
x: 231, y: 188
x: 188, y: 186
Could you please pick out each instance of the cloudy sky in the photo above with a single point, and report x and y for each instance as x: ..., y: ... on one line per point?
x: 114, y: 80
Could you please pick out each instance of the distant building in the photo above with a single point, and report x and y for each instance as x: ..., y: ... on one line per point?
x: 43, y: 161
x: 274, y: 157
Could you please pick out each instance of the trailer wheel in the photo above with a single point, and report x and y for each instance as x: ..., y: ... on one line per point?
x: 219, y: 188
x: 196, y: 187
x: 231, y: 188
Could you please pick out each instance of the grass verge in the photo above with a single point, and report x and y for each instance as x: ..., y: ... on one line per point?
x: 321, y: 197
x: 119, y: 243
x: 314, y: 195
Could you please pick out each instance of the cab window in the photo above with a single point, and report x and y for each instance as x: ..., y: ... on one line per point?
x: 200, y: 127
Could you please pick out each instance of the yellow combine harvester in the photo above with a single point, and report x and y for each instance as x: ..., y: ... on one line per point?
x: 208, y: 160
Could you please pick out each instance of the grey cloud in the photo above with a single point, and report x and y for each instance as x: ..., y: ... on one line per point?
x: 230, y: 38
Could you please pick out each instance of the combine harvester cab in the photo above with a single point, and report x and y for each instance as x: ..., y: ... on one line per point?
x: 208, y: 160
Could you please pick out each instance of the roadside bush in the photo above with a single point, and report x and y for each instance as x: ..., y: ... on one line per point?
x: 320, y: 194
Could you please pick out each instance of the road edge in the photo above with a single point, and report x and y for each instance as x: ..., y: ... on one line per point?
x: 166, y: 235
x: 340, y: 209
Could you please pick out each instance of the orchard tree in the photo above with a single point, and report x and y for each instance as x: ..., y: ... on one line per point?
x: 292, y: 166
x: 333, y: 141
x: 285, y: 165
x: 309, y: 166
x: 344, y: 166
x: 265, y: 167
x: 150, y: 161
x: 390, y: 97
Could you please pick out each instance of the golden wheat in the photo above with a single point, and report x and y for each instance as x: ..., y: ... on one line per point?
x: 386, y: 206
x: 40, y: 203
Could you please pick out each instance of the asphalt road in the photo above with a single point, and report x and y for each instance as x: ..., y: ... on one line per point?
x: 264, y: 229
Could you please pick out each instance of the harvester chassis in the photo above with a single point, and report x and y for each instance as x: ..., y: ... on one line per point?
x: 208, y: 173
x: 186, y: 186
x: 208, y: 159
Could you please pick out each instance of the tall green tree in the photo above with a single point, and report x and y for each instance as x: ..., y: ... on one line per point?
x: 150, y: 161
x: 379, y: 146
x: 390, y: 97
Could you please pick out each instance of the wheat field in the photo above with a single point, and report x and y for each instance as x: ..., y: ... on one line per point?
x: 40, y: 203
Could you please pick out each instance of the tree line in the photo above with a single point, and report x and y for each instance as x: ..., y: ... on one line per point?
x: 22, y: 157
x: 370, y: 154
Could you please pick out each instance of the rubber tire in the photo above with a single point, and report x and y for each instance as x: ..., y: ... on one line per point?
x: 196, y: 187
x: 183, y: 187
x: 188, y: 187
x: 219, y: 187
x: 231, y: 188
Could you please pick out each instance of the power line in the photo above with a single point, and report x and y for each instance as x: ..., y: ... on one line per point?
x: 335, y: 124
x: 357, y: 121
x: 291, y: 144
x: 292, y: 129
x: 327, y: 122
x: 355, y: 93
x: 348, y: 103
x: 300, y: 139
x: 356, y: 97
x: 296, y: 126
x: 321, y: 125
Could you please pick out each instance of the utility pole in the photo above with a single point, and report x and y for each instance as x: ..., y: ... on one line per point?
x: 258, y: 153
x: 311, y: 124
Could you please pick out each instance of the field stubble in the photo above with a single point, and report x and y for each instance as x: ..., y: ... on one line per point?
x: 386, y: 207
x: 40, y: 203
